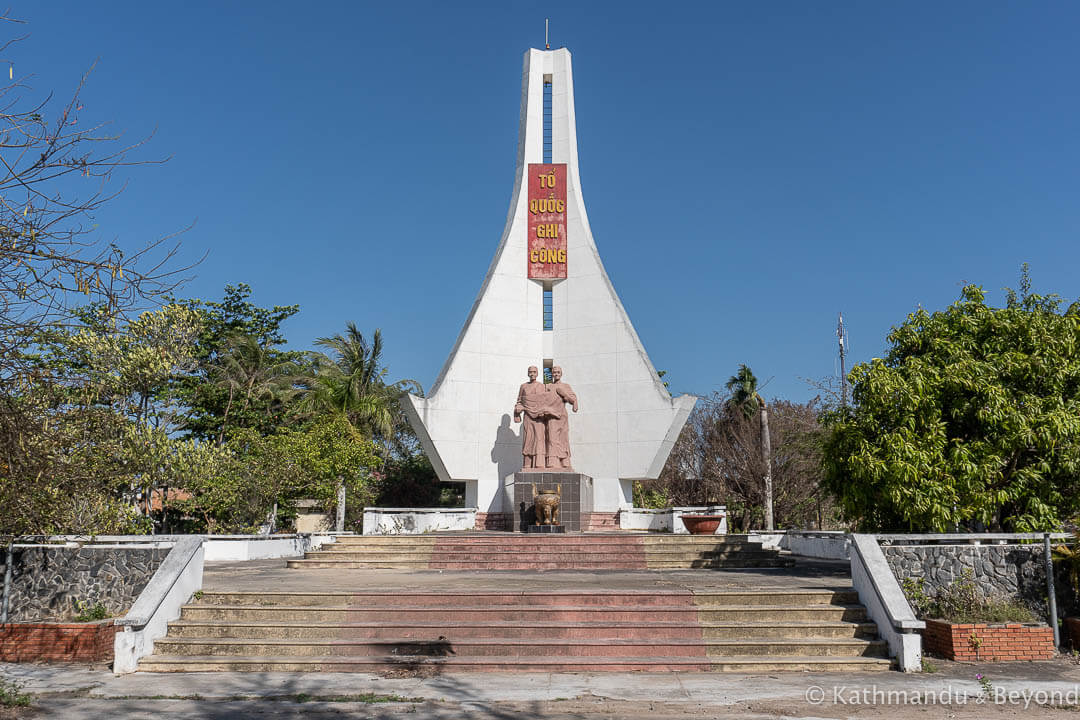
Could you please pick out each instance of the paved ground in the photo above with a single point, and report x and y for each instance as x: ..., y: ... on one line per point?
x: 272, y: 575
x: 80, y: 693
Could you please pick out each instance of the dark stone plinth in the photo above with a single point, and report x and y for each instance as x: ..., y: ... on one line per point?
x: 545, y: 529
x: 576, y: 497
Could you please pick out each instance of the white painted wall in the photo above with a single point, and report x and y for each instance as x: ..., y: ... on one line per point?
x: 223, y: 548
x: 627, y: 421
x: 416, y: 521
x: 885, y: 602
x: 668, y: 519
x: 817, y: 544
x: 172, y: 585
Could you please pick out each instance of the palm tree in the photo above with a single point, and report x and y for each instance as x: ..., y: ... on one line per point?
x: 251, y: 372
x: 745, y: 398
x: 353, y: 383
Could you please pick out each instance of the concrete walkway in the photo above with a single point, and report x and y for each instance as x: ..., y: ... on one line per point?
x: 78, y: 693
x: 272, y: 575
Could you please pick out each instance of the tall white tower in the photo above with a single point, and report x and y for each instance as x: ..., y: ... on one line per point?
x: 546, y: 300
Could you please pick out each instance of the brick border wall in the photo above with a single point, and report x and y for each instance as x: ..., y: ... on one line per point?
x: 493, y: 521
x: 58, y: 642
x: 1007, y: 641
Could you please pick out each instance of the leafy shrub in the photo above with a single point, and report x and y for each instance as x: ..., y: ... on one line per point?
x: 654, y: 498
x: 963, y: 602
x: 90, y: 613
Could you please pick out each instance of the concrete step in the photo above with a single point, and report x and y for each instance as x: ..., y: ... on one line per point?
x: 766, y: 597
x: 527, y: 613
x: 444, y: 600
x: 525, y: 567
x: 517, y: 551
x: 763, y: 629
x: 517, y: 536
x: 778, y: 596
x: 355, y: 565
x: 539, y: 555
x: 788, y: 630
x: 474, y: 565
x: 720, y: 564
x: 476, y: 556
x: 477, y: 613
x: 536, y: 629
x: 432, y: 647
x: 522, y: 541
x: 509, y: 564
x: 665, y: 630
x: 442, y: 646
x: 743, y: 664
x: 783, y: 613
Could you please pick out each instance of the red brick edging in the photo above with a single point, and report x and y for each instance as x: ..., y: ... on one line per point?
x: 64, y: 642
x: 988, y: 641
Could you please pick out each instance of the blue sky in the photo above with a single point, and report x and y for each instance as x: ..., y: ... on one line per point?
x: 750, y: 169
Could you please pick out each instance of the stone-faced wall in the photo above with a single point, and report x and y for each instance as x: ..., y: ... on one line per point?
x: 998, y: 570
x: 48, y: 580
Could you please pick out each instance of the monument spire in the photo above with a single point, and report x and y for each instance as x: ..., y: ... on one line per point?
x: 547, y: 301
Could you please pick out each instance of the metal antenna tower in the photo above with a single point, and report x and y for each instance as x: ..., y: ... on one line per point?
x: 842, y: 336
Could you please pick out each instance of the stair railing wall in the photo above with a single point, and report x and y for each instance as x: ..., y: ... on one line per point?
x: 885, y: 602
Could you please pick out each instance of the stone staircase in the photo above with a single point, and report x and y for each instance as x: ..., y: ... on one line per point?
x: 516, y: 551
x: 759, y: 630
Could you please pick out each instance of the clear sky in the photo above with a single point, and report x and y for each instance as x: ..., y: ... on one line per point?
x: 750, y: 169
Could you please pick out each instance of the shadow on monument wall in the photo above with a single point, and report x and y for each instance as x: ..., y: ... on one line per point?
x: 506, y: 454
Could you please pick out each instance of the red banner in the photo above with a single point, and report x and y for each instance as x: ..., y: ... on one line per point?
x: 547, y: 221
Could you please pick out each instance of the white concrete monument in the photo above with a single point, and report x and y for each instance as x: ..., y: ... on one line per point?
x: 547, y: 301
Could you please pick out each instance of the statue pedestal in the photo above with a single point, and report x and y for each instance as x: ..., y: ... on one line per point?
x: 577, y: 498
x: 545, y: 529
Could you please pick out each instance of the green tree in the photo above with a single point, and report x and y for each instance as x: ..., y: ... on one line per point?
x: 234, y: 488
x: 238, y: 343
x: 95, y: 428
x: 972, y: 419
x: 746, y: 399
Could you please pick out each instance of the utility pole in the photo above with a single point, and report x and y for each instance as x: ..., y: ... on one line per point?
x: 843, y: 371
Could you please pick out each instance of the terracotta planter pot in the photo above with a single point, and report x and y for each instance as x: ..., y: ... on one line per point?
x: 701, y: 524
